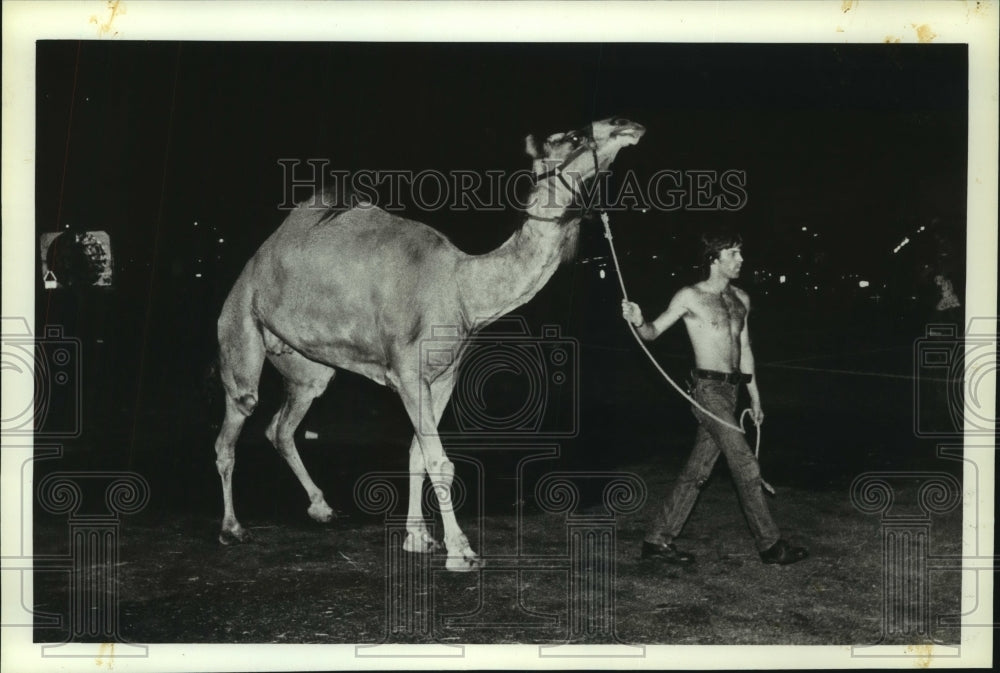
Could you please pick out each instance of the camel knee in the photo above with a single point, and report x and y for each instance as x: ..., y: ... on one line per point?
x: 246, y: 403
x: 224, y: 464
x: 442, y: 472
x: 441, y: 476
x: 225, y: 448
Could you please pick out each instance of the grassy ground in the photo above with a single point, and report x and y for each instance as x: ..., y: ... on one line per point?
x: 299, y: 582
x: 837, y: 407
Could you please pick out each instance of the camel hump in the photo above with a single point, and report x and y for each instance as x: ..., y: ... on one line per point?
x: 375, y: 229
x: 327, y: 203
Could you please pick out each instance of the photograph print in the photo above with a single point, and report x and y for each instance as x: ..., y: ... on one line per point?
x: 588, y: 346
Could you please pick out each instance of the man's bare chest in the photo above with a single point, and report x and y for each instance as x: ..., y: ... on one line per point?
x: 719, y: 312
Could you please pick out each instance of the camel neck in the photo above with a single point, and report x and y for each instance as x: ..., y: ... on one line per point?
x: 497, y: 282
x: 548, y: 200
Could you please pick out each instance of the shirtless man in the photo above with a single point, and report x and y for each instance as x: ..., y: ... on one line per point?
x: 715, y: 314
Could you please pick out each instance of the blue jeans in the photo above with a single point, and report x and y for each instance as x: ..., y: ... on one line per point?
x: 718, y: 397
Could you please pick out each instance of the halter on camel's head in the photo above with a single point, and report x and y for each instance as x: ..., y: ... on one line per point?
x: 581, y: 154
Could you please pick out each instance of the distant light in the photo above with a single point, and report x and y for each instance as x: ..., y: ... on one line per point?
x: 645, y: 210
x: 805, y: 228
x: 862, y: 283
x: 222, y: 240
x: 602, y: 273
x: 921, y: 228
x: 900, y: 246
x: 815, y: 235
x: 815, y: 287
x: 196, y: 223
x: 654, y: 256
x: 67, y: 226
x: 781, y: 278
x: 197, y: 275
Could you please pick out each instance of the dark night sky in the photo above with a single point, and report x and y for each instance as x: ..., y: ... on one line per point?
x: 861, y: 143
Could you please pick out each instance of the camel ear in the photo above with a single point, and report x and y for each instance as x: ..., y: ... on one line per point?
x: 531, y: 147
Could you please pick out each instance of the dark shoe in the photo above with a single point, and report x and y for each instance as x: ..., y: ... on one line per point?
x: 783, y: 553
x: 666, y: 552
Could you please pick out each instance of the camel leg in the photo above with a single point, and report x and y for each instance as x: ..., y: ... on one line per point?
x: 417, y: 538
x: 225, y: 453
x: 305, y: 380
x: 241, y: 357
x: 416, y: 395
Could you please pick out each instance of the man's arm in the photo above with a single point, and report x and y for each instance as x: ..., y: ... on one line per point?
x: 675, y: 311
x: 747, y: 364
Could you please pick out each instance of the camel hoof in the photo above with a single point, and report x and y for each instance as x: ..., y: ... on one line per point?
x: 321, y: 512
x: 465, y: 563
x: 420, y: 543
x: 233, y: 536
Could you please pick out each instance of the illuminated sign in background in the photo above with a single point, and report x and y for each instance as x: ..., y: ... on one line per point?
x: 76, y: 259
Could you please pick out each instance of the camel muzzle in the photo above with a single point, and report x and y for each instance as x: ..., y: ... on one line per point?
x: 631, y: 130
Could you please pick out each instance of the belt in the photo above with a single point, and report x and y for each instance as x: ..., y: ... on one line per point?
x: 728, y: 377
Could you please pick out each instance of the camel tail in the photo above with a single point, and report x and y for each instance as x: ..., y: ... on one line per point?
x: 211, y: 381
x: 212, y: 393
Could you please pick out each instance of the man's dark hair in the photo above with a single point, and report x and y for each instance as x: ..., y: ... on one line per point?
x: 714, y: 241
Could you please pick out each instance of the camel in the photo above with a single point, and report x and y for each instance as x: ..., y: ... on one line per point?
x: 359, y: 289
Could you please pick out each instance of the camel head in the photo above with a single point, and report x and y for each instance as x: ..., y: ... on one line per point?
x: 567, y: 159
x: 574, y: 152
